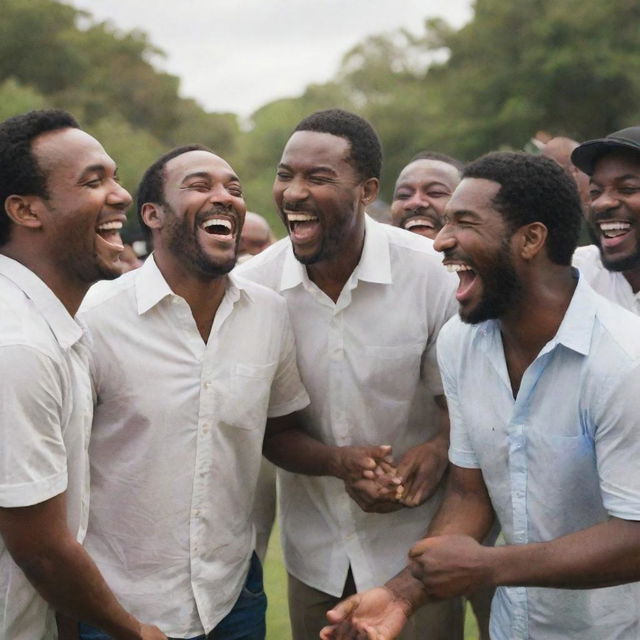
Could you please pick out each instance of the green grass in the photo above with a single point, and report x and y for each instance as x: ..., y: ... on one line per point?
x: 275, y: 581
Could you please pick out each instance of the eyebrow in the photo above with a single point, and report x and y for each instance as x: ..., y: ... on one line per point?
x: 316, y: 169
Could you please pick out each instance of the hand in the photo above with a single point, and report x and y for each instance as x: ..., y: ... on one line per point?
x: 373, y: 497
x: 376, y: 614
x: 421, y: 470
x: 354, y: 463
x: 450, y: 565
x: 151, y: 632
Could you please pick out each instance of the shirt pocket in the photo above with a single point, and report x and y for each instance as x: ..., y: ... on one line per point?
x: 250, y: 387
x: 392, y: 371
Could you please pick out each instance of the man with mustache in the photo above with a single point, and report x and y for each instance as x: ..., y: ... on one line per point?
x: 612, y: 266
x: 422, y: 191
x: 542, y: 379
x: 189, y: 363
x: 62, y: 209
x: 366, y: 302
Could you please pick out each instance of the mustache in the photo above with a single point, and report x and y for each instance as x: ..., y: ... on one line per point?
x: 297, y: 207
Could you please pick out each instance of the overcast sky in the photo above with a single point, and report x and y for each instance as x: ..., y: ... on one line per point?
x: 236, y: 55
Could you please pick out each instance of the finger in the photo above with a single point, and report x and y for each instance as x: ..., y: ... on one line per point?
x: 327, y: 633
x: 342, y: 610
x: 419, y: 547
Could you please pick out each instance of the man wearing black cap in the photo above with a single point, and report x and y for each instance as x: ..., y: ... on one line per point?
x: 612, y: 267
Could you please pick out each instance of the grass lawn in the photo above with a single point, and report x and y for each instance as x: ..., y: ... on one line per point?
x: 275, y: 580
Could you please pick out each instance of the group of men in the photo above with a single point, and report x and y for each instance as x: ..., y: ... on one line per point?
x: 134, y: 422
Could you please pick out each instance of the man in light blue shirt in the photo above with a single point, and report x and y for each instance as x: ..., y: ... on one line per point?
x: 542, y: 379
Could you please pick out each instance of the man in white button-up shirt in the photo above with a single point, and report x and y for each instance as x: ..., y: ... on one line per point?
x: 366, y: 302
x: 542, y: 377
x: 612, y: 264
x: 62, y: 207
x: 189, y: 363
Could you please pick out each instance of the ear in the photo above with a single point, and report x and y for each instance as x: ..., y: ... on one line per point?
x: 153, y: 215
x: 24, y: 210
x: 370, y: 189
x: 533, y: 238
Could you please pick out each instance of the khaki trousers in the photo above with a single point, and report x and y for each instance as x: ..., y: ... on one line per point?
x: 308, y: 606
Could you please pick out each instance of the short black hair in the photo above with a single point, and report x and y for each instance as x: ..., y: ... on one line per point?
x: 151, y: 187
x: 366, y: 148
x: 440, y: 157
x: 20, y: 173
x: 534, y: 188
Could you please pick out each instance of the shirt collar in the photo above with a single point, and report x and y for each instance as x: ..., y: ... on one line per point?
x: 576, y: 328
x: 374, y: 265
x: 151, y: 287
x: 65, y: 329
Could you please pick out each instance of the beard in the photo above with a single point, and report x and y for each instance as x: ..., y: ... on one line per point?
x: 183, y: 243
x: 625, y: 263
x: 501, y: 288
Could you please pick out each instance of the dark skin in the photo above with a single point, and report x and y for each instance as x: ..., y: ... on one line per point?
x: 83, y: 191
x: 317, y: 176
x: 451, y: 560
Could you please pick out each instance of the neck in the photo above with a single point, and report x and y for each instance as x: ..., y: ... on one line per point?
x: 633, y: 278
x: 203, y: 293
x: 536, y: 318
x: 332, y: 274
x: 69, y: 290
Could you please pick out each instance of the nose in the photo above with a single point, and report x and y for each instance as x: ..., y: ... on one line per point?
x: 119, y: 197
x: 220, y: 195
x: 414, y: 202
x: 444, y: 240
x: 604, y: 201
x: 295, y: 190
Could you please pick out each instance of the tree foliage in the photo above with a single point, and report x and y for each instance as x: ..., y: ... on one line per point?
x: 570, y: 68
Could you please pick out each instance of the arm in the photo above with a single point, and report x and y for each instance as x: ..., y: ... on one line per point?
x: 422, y: 467
x: 288, y: 446
x: 61, y: 571
x: 382, y: 613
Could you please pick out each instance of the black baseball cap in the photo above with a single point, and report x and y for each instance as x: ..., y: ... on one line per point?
x: 587, y: 154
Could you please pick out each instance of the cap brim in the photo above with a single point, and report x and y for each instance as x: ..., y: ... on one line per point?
x: 586, y: 155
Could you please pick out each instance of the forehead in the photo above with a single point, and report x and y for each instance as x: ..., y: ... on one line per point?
x: 67, y: 153
x: 197, y: 162
x: 312, y: 149
x: 617, y: 164
x: 424, y: 171
x: 475, y: 195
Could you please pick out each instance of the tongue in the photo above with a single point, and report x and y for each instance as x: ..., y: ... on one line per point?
x: 467, y: 280
x: 112, y: 237
x: 304, y: 230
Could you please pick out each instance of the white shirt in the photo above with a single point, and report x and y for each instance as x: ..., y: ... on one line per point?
x: 45, y: 395
x: 177, y: 442
x: 611, y: 284
x: 561, y: 457
x: 368, y: 363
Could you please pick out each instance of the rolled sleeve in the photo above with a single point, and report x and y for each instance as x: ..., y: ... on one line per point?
x: 33, y: 457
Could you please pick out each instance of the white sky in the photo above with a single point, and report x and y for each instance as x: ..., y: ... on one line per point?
x: 237, y: 55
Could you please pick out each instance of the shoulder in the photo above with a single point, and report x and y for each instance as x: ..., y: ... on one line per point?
x: 266, y: 267
x: 260, y: 295
x: 587, y: 259
x: 617, y: 330
x: 106, y: 293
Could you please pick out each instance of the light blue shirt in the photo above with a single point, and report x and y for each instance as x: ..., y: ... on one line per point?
x: 562, y: 456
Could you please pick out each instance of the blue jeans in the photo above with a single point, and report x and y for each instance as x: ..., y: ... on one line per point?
x: 246, y: 621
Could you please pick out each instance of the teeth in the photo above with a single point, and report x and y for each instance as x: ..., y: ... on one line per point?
x: 300, y: 217
x: 454, y: 268
x: 614, y: 226
x: 418, y: 222
x: 217, y: 221
x: 110, y: 226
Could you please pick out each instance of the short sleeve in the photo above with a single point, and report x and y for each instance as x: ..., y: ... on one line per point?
x: 33, y: 459
x: 617, y: 443
x: 287, y: 391
x: 460, y: 448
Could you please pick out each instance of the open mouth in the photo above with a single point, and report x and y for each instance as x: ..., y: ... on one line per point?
x: 303, y: 226
x: 110, y: 233
x: 418, y: 224
x: 467, y: 277
x: 219, y: 227
x: 614, y: 229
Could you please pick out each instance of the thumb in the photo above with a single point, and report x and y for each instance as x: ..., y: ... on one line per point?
x: 419, y: 547
x: 342, y: 610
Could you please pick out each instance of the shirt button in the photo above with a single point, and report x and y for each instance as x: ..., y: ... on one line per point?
x: 207, y: 384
